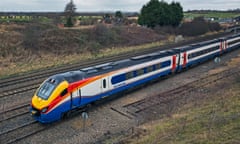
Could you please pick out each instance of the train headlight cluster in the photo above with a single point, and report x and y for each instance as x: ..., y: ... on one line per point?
x: 44, y: 109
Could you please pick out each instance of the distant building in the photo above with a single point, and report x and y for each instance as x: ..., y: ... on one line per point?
x: 211, y: 19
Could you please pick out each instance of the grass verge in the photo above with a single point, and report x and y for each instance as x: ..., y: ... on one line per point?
x: 215, y: 119
x: 219, y: 15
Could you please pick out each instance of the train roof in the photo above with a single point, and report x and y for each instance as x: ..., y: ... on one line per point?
x: 71, y: 77
x: 233, y: 36
x: 74, y: 76
x: 111, y: 66
x: 196, y: 45
x: 230, y: 36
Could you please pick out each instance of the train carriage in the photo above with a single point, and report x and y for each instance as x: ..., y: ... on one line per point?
x: 201, y: 52
x: 62, y: 93
x: 232, y: 42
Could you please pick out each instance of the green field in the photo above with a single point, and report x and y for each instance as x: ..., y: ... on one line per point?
x: 23, y: 19
x: 219, y: 15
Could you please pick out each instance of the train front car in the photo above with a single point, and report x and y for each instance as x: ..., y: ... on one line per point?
x: 52, y: 99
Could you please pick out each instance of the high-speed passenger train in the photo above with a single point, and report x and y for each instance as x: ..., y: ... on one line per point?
x: 61, y: 93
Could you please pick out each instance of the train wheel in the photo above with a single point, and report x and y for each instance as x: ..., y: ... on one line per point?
x: 66, y: 115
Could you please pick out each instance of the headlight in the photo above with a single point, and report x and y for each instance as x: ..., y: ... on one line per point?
x: 44, y: 109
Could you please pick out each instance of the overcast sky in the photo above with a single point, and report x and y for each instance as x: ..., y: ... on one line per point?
x: 110, y: 5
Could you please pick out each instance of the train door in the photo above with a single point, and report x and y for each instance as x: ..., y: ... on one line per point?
x: 76, y: 98
x: 178, y: 62
x: 222, y: 46
x: 225, y: 45
x: 184, y: 59
x: 174, y: 63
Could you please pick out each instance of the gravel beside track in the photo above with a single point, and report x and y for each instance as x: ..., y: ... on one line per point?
x: 150, y: 106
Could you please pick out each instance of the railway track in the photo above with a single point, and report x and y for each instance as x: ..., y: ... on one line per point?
x: 16, y: 124
x: 14, y: 112
x: 24, y: 127
x: 22, y: 131
x: 21, y: 89
x: 136, y: 109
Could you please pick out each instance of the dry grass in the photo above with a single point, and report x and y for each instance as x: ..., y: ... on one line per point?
x: 34, y: 46
x: 214, y: 121
x: 213, y: 117
x: 33, y: 62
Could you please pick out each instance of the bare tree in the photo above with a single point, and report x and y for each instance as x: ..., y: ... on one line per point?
x: 70, y: 8
x: 69, y: 11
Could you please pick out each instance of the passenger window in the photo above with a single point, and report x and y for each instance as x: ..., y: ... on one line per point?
x: 158, y: 66
x: 145, y: 70
x: 104, y: 83
x: 135, y: 73
x: 64, y: 92
x: 154, y: 67
x: 129, y: 75
x: 150, y: 69
x: 140, y: 72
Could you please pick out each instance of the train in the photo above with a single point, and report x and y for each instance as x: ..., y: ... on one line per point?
x: 63, y: 93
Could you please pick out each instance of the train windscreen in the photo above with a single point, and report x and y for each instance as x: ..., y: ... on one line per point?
x: 46, y: 90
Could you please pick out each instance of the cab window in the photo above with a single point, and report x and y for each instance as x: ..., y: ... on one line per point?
x: 45, y: 90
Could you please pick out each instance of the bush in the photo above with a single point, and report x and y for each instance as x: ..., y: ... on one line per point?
x: 88, y: 20
x: 94, y: 47
x: 197, y: 27
x: 165, y: 29
x: 69, y: 22
x: 31, y: 37
x: 103, y: 35
x: 214, y: 26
